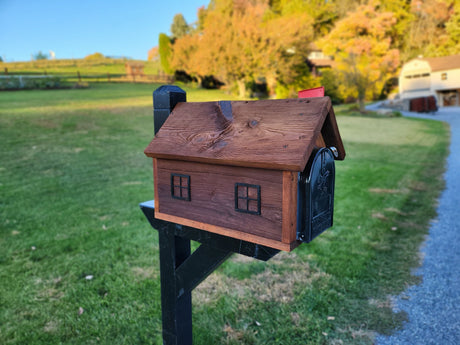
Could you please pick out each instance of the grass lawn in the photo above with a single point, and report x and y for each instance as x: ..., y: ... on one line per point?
x: 79, y: 262
x: 71, y: 66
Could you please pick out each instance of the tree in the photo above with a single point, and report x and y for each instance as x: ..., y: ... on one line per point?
x: 164, y: 47
x: 95, y: 56
x: 40, y: 56
x: 427, y: 29
x: 179, y: 27
x: 451, y: 41
x: 153, y: 54
x: 362, y: 46
x: 323, y: 13
x: 453, y: 31
x: 242, y: 41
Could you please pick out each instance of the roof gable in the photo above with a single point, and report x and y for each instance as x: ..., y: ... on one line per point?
x: 272, y: 134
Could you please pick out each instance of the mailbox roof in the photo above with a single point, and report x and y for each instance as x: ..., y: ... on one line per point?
x: 270, y: 134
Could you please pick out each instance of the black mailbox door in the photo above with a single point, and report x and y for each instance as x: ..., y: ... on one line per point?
x: 316, y: 196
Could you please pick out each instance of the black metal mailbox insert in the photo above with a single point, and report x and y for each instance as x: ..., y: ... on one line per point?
x: 316, y: 196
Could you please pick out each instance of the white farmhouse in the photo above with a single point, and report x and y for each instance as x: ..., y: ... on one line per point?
x: 438, y: 77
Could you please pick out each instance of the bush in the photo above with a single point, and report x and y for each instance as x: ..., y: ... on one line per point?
x: 95, y: 56
x: 30, y: 83
x: 329, y: 80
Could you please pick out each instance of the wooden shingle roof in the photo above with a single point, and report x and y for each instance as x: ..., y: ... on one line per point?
x: 270, y: 134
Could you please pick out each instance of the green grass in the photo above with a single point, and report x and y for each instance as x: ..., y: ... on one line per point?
x: 71, y: 66
x: 72, y: 172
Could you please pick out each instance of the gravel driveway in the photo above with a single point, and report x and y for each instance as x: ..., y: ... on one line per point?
x: 433, y: 307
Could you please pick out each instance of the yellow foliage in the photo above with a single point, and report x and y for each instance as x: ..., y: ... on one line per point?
x: 95, y: 56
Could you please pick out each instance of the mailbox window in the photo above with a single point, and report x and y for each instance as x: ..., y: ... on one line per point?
x: 180, y: 187
x: 247, y: 198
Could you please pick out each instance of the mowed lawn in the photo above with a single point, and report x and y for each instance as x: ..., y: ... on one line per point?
x: 79, y: 262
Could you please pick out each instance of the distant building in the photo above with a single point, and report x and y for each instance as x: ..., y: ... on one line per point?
x: 317, y: 61
x: 438, y: 77
x: 134, y: 69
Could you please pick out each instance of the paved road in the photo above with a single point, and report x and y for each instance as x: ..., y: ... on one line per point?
x: 433, y: 307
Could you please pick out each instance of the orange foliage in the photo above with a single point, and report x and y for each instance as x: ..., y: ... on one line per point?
x: 238, y: 44
x: 153, y: 54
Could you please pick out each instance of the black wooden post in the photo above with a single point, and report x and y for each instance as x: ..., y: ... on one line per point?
x: 176, y: 312
x: 165, y: 99
x: 181, y: 271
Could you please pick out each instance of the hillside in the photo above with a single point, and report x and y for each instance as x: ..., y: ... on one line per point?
x: 72, y: 66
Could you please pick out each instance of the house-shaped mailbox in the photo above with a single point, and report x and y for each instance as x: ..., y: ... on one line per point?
x: 260, y: 171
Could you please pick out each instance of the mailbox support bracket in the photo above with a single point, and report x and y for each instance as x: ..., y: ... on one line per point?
x: 181, y: 270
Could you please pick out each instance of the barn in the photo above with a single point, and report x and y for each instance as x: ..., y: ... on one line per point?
x: 437, y: 76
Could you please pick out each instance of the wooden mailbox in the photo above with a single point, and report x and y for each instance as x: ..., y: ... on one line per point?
x: 243, y: 169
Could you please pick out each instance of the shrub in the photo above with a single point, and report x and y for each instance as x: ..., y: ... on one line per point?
x: 95, y: 56
x: 28, y: 83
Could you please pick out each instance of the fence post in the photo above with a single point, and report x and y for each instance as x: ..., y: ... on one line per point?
x: 79, y: 76
x: 6, y: 71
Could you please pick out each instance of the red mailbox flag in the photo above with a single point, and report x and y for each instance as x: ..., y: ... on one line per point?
x: 309, y: 93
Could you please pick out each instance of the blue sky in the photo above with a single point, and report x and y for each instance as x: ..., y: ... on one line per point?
x: 76, y: 28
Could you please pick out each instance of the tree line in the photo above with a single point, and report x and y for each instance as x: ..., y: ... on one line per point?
x: 243, y: 43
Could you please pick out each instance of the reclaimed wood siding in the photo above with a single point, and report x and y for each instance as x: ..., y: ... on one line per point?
x: 213, y: 196
x: 289, y: 207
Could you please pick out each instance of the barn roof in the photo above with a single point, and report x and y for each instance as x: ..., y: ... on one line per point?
x: 270, y: 134
x: 443, y: 63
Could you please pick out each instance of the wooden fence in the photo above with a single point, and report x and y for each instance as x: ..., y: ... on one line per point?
x: 107, y: 77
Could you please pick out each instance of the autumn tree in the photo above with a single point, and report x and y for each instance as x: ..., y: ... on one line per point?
x: 323, y: 14
x: 362, y: 46
x: 240, y: 42
x: 453, y: 31
x: 451, y: 41
x: 401, y: 10
x: 153, y: 54
x: 427, y: 28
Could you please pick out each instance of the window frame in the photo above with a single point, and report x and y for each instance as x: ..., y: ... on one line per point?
x: 181, y: 187
x: 246, y: 197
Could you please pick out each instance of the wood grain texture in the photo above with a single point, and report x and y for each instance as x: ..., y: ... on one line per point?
x: 229, y: 232
x: 213, y: 197
x: 270, y: 134
x: 320, y: 142
x: 289, y: 232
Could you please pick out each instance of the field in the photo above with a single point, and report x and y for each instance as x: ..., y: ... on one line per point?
x: 71, y: 66
x: 75, y: 73
x: 79, y: 262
